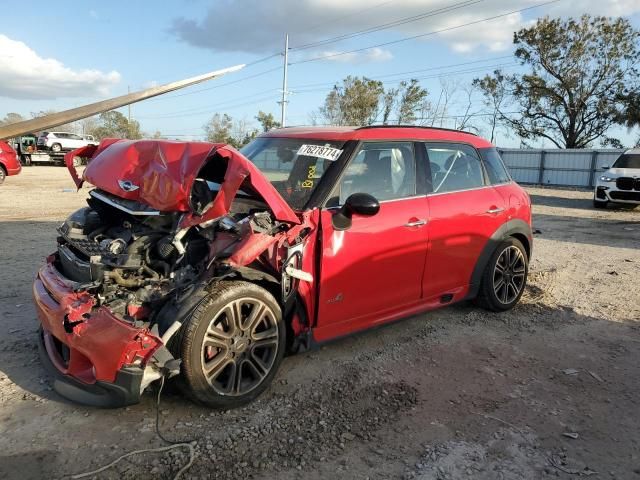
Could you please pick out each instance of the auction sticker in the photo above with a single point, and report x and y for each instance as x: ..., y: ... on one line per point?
x: 328, y: 153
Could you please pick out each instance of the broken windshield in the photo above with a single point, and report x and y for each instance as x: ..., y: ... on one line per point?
x: 294, y: 166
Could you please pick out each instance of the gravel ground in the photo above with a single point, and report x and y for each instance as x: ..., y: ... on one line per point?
x: 550, y: 389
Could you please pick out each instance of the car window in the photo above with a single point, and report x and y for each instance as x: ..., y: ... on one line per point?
x: 627, y: 160
x: 454, y: 167
x: 294, y: 166
x: 496, y: 171
x: 386, y: 170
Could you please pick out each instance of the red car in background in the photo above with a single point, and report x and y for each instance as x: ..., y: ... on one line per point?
x: 9, y: 161
x: 198, y: 260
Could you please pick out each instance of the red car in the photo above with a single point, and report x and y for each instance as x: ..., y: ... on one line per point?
x: 197, y: 260
x: 9, y: 162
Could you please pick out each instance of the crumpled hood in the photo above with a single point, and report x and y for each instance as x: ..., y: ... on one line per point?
x: 160, y: 174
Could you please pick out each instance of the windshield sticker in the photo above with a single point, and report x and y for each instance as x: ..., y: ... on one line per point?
x: 308, y: 183
x: 327, y: 153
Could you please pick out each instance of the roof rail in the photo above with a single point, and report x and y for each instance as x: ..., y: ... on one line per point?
x: 366, y: 127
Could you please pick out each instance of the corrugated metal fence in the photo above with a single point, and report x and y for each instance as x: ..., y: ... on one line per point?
x: 574, y: 167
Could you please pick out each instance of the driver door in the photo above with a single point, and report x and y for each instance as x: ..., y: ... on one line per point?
x: 372, y: 272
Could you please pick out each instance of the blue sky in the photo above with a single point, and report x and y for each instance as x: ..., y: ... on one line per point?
x: 84, y: 51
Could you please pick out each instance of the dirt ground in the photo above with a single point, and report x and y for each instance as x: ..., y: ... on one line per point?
x: 548, y: 390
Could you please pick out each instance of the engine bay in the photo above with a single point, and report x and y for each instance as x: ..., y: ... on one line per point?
x: 133, y: 258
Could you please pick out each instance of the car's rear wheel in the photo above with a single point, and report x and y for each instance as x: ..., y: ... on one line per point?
x: 56, y: 147
x: 232, y: 345
x: 505, y: 277
x: 3, y: 174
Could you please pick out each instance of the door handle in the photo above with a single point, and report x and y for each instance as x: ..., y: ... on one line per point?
x: 416, y: 223
x: 495, y: 210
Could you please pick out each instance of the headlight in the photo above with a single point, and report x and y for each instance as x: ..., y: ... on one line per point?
x: 605, y: 178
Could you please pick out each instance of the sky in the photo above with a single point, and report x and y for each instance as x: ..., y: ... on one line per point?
x: 73, y: 53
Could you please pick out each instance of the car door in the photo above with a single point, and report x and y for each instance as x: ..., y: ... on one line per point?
x: 76, y: 141
x: 465, y: 210
x: 373, y: 270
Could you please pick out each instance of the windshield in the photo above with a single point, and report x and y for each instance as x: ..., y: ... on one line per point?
x: 294, y: 166
x: 628, y: 160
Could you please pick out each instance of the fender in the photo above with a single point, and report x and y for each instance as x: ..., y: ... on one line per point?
x: 512, y: 228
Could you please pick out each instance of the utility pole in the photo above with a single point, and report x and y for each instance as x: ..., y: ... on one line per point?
x: 283, y: 103
x: 129, y: 107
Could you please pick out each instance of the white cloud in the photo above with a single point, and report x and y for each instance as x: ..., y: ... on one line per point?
x: 26, y: 75
x: 258, y: 26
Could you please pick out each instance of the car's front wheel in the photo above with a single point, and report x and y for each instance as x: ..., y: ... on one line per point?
x: 599, y: 204
x: 231, y: 345
x: 3, y: 175
x: 504, y: 277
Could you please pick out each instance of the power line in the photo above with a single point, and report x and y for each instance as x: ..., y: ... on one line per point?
x: 198, y: 109
x: 385, y: 26
x: 424, y: 77
x: 422, y: 70
x: 216, y: 109
x: 434, y: 32
x: 220, y: 85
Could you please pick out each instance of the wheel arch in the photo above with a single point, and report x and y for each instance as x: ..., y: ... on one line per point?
x: 518, y: 229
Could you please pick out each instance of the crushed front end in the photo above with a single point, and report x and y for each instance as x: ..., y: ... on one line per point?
x: 129, y: 268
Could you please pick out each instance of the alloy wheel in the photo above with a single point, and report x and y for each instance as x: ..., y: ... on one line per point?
x: 509, y: 274
x: 240, y: 347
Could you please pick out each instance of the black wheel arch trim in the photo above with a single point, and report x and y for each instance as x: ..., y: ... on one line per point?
x: 513, y: 228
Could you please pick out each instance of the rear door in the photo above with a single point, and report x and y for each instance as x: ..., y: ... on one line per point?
x: 374, y: 269
x: 465, y: 210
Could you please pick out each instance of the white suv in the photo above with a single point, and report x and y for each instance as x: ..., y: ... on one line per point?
x: 59, y: 141
x: 621, y: 182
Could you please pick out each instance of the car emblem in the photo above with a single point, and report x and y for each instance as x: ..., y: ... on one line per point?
x: 127, y: 186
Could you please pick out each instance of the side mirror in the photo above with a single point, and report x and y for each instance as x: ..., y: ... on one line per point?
x: 357, y: 203
x: 605, y: 167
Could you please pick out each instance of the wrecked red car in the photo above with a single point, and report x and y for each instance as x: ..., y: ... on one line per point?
x: 9, y: 162
x: 197, y: 260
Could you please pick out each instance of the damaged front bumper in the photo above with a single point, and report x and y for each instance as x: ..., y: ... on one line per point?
x: 96, y: 358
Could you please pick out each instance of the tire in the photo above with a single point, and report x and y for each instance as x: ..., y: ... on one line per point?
x: 56, y: 147
x: 3, y: 174
x: 509, y: 262
x: 77, y: 161
x: 240, y: 367
x: 598, y: 204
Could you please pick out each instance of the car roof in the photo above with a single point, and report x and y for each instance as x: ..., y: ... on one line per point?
x: 379, y: 132
x: 633, y: 151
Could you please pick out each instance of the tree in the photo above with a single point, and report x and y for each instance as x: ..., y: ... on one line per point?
x: 630, y: 115
x: 11, y: 117
x: 267, y: 121
x: 218, y: 129
x: 579, y: 72
x: 494, y: 89
x: 412, y: 97
x: 355, y: 102
x: 223, y: 129
x: 114, y: 124
x: 362, y: 101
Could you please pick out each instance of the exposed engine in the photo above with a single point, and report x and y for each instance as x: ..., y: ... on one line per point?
x: 133, y: 258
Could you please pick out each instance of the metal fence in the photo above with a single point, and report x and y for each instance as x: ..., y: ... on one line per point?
x: 572, y: 167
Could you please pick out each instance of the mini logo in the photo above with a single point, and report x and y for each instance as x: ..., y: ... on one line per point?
x: 127, y: 186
